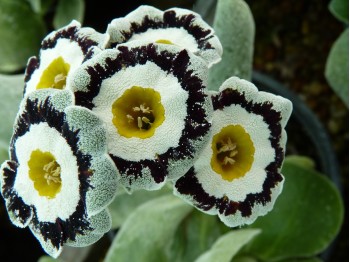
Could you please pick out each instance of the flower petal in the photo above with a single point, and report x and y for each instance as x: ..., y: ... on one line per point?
x: 175, y: 26
x: 146, y: 156
x: 104, y: 183
x: 47, y: 243
x: 101, y: 223
x: 236, y: 179
x: 19, y: 213
x: 56, y: 152
x: 92, y: 141
x: 71, y: 45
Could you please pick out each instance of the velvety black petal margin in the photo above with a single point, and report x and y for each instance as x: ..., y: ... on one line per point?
x: 71, y: 33
x: 171, y: 20
x: 58, y: 233
x: 177, y: 64
x: 189, y: 184
x: 15, y: 203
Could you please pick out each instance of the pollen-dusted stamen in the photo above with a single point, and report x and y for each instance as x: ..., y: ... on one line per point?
x: 60, y: 80
x: 45, y: 172
x: 136, y: 109
x: 130, y: 118
x: 228, y: 150
x: 142, y: 108
x: 138, y: 112
x: 143, y: 122
x: 146, y: 120
x: 228, y: 160
x: 233, y: 152
x: 55, y: 75
x: 52, y: 172
x: 139, y: 123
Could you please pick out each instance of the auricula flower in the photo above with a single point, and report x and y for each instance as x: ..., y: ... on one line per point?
x: 62, y: 52
x: 174, y: 26
x: 237, y: 175
x: 59, y: 178
x: 152, y: 100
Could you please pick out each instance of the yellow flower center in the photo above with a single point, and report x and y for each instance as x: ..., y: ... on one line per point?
x: 233, y: 152
x: 138, y: 112
x: 45, y: 172
x: 164, y: 41
x: 55, y: 75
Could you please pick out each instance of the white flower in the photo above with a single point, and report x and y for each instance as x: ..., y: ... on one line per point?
x: 62, y: 52
x: 153, y: 102
x: 175, y: 26
x: 59, y: 178
x: 237, y: 175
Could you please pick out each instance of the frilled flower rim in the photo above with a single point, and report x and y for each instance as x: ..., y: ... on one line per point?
x: 177, y: 76
x: 241, y: 200
x: 62, y: 52
x: 48, y: 123
x: 174, y: 26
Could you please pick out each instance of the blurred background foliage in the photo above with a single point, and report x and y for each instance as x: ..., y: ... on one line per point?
x: 304, y: 45
x: 337, y: 67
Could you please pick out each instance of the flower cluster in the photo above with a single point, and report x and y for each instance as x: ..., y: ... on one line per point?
x: 130, y: 107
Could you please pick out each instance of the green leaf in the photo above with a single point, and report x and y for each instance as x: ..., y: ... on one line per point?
x: 148, y: 230
x: 46, y: 5
x: 302, y: 161
x: 228, y: 245
x: 47, y: 259
x: 337, y: 67
x: 36, y: 5
x: 125, y: 204
x: 306, y: 217
x: 41, y: 6
x: 21, y: 31
x: 68, y: 10
x: 340, y: 9
x: 244, y: 259
x: 11, y: 89
x: 196, y: 234
x: 234, y: 25
x: 310, y: 259
x: 4, y: 151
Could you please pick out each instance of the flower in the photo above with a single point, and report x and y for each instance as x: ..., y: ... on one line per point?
x: 152, y: 100
x: 62, y: 52
x: 59, y: 178
x: 175, y: 26
x: 237, y: 175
